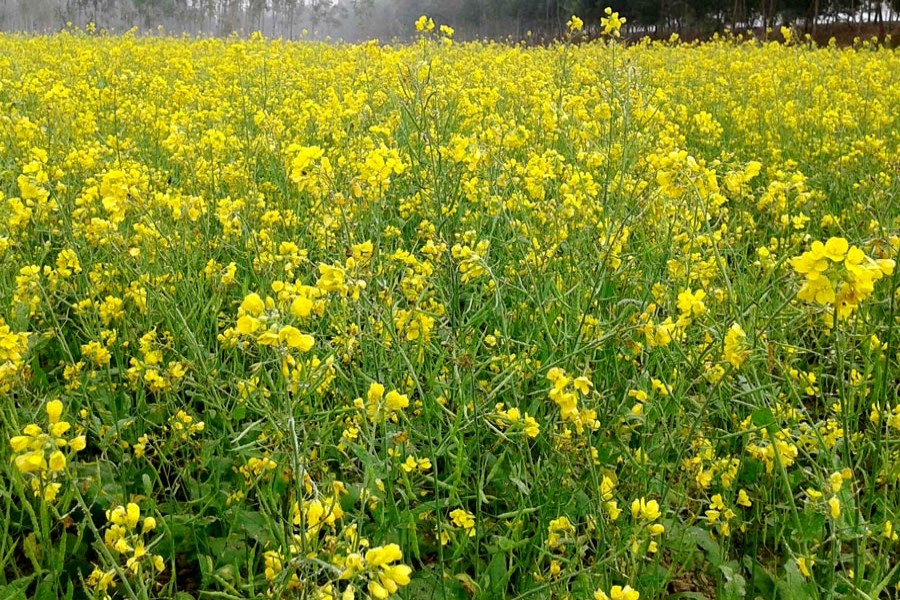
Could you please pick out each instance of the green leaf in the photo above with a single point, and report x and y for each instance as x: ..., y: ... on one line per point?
x: 427, y: 584
x: 735, y: 585
x: 238, y: 413
x: 255, y: 525
x: 812, y: 525
x: 702, y: 538
x: 498, y: 575
x: 794, y: 586
x: 413, y: 536
x: 763, y: 418
x: 16, y: 589
x: 762, y: 581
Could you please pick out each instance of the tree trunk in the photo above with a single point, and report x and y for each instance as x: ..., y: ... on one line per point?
x: 291, y: 21
x: 815, y: 17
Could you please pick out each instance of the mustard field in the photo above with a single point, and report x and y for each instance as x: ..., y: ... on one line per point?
x: 449, y: 320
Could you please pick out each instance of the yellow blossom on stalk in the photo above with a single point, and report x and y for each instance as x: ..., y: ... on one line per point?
x: 377, y: 557
x: 787, y: 33
x: 834, y: 507
x: 257, y: 468
x: 13, y: 347
x: 252, y: 305
x: 691, y: 303
x: 465, y: 520
x: 838, y: 274
x: 888, y: 532
x: 96, y: 353
x: 249, y: 313
x: 583, y: 385
x: 302, y: 166
x: 471, y: 260
x: 124, y: 537
x: 57, y: 462
x: 836, y: 481
x: 424, y: 24
x: 292, y: 337
x: 555, y: 568
x: 54, y: 411
x: 301, y: 307
x: 273, y: 564
x: 612, y: 23
x: 412, y: 464
x: 318, y: 512
x: 659, y: 387
x: 618, y: 592
x: 612, y: 509
x: 102, y: 581
x: 734, y: 350
x: 149, y: 525
x: 253, y: 321
x: 559, y: 531
x: 395, y: 401
x: 639, y: 395
x: 379, y: 405
x: 184, y: 427
x: 531, y: 427
x: 383, y: 578
x: 513, y: 418
x: 647, y: 511
x: 565, y: 394
x: 41, y: 456
x: 111, y: 309
x: 803, y: 565
x: 331, y: 278
x: 574, y: 24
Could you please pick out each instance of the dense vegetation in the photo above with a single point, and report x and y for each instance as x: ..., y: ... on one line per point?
x: 448, y: 320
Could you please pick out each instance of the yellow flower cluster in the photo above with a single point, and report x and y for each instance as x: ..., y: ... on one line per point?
x: 513, y: 419
x: 559, y: 531
x: 464, y: 520
x: 618, y: 592
x: 183, y: 427
x: 252, y: 321
x: 646, y: 513
x: 42, y: 455
x: 838, y: 274
x: 312, y: 515
x: 379, y: 406
x: 13, y: 347
x: 471, y: 260
x: 377, y: 569
x: 565, y: 392
x: 424, y: 24
x: 735, y: 350
x: 575, y: 24
x: 150, y: 371
x: 257, y: 469
x: 612, y: 22
x: 126, y: 534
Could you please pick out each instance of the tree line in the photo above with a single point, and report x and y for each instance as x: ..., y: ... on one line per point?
x: 535, y: 20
